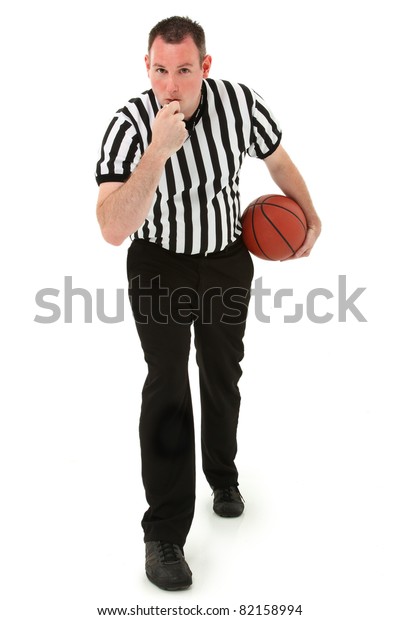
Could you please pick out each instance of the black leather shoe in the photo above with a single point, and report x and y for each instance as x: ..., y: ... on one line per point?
x: 166, y: 566
x: 228, y: 502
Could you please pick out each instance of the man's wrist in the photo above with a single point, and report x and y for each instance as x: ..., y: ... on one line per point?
x: 157, y: 154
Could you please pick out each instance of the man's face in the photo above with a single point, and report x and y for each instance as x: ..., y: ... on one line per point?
x: 176, y: 74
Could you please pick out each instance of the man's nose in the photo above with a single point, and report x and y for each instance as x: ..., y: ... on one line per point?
x: 172, y: 85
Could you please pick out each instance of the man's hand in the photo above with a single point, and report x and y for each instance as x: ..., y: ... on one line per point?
x: 169, y: 130
x: 312, y: 235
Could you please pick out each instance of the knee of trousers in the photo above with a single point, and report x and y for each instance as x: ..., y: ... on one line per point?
x: 166, y: 421
x: 167, y: 377
x: 166, y: 428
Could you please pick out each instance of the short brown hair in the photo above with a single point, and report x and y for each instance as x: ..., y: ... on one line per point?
x: 175, y: 29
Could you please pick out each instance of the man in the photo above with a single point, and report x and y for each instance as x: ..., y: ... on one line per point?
x: 169, y: 175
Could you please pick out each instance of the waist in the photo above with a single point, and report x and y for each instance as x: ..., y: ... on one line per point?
x: 231, y: 248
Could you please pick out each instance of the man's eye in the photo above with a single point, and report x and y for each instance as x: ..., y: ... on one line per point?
x: 185, y: 70
x: 160, y: 70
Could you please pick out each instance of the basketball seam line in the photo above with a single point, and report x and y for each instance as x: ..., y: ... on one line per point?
x: 255, y: 236
x: 277, y: 229
x: 272, y: 204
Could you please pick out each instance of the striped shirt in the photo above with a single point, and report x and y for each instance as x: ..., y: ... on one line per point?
x: 196, y: 207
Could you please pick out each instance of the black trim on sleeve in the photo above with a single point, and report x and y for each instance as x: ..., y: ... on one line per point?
x: 106, y: 178
x: 272, y: 149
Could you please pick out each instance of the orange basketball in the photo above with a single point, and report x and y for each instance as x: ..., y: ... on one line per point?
x: 274, y: 227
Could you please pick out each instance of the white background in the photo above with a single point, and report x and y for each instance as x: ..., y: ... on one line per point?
x: 318, y: 440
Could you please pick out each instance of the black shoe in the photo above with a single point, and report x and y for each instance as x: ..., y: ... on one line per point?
x: 228, y: 502
x: 166, y: 566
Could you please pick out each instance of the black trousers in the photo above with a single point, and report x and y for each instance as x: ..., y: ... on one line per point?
x: 169, y: 293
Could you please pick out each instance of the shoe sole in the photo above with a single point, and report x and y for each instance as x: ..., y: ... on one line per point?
x: 228, y: 516
x: 169, y: 588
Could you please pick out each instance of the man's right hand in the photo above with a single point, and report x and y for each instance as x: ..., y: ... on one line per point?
x: 169, y: 130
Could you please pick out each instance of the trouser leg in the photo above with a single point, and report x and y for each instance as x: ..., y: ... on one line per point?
x: 166, y: 420
x: 219, y: 351
x: 167, y: 439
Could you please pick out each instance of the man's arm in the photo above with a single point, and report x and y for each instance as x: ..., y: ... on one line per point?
x: 289, y: 180
x: 123, y: 207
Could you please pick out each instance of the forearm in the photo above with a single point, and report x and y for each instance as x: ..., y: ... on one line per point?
x: 289, y: 180
x: 124, y: 210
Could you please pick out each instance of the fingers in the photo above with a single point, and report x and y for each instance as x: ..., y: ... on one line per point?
x: 302, y: 252
x: 172, y: 108
x: 308, y: 244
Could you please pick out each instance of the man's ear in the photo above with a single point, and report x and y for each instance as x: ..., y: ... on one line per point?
x: 206, y: 65
x: 147, y: 61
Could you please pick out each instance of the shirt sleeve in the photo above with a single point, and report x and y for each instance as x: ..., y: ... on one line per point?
x: 120, y: 150
x: 266, y: 132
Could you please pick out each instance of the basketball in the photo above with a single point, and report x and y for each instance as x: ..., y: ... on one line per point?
x: 274, y: 227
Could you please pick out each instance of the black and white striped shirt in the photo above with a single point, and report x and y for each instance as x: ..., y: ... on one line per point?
x: 196, y: 207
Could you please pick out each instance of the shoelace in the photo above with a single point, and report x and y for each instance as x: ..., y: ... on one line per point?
x: 169, y: 551
x: 227, y: 494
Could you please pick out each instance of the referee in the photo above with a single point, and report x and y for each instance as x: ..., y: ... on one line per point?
x: 168, y: 177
